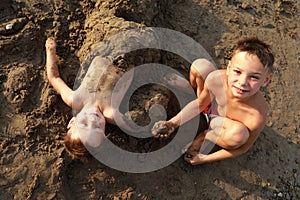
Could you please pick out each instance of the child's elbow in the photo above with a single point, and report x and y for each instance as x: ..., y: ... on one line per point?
x: 68, y: 99
x: 202, y: 104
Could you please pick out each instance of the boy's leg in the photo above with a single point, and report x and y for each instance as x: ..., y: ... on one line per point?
x: 194, y: 148
x: 199, y: 71
x: 227, y: 133
x: 224, y: 132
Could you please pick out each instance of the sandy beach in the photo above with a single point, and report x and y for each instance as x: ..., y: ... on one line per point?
x: 33, y: 117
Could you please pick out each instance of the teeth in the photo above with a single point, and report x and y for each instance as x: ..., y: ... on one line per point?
x: 240, y: 90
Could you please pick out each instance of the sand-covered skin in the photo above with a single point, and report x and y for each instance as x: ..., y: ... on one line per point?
x: 33, y: 118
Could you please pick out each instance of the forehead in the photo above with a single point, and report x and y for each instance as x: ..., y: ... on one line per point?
x: 245, y: 60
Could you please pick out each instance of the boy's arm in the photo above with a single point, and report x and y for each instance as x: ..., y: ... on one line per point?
x: 224, y: 153
x: 190, y: 111
x: 120, y: 120
x: 113, y: 115
x: 53, y: 74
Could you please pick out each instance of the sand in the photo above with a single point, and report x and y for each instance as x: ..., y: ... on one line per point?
x: 33, y: 118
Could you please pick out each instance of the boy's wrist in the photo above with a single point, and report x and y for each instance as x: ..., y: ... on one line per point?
x: 174, y: 123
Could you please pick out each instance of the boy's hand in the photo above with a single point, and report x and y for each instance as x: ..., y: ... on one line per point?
x: 162, y: 129
x: 50, y: 44
x: 194, y: 158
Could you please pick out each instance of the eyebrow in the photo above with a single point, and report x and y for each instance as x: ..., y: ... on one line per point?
x: 257, y: 73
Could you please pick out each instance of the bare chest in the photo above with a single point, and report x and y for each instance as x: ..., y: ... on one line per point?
x: 250, y: 116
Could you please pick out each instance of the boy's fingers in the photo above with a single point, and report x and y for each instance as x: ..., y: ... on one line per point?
x: 162, y: 129
x: 188, y: 155
x: 188, y: 158
x: 158, y: 128
x: 50, y: 41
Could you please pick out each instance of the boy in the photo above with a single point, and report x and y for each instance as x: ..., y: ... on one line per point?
x: 237, y: 109
x: 93, y: 108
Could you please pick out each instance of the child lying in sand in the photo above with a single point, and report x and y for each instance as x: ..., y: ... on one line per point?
x: 237, y: 109
x: 88, y: 127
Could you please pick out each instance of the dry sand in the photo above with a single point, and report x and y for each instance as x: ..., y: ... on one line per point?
x: 33, y: 118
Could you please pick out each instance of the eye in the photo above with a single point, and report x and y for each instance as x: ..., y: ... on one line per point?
x: 236, y: 71
x: 254, y: 77
x: 83, y: 123
x: 97, y: 127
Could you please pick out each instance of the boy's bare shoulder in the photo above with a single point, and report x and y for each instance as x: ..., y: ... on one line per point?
x: 261, y: 104
x: 215, y: 75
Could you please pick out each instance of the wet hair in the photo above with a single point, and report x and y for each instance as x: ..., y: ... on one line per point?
x: 76, y: 149
x: 259, y: 48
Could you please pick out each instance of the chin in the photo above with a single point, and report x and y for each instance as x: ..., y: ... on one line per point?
x: 239, y: 95
x: 95, y: 141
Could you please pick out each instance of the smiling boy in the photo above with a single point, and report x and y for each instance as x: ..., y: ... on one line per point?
x: 237, y: 109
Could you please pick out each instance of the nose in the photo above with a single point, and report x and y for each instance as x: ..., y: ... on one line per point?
x: 243, y: 80
x: 92, y: 118
x: 93, y: 121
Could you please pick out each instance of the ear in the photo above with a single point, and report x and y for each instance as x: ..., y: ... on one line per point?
x: 71, y: 122
x: 228, y: 67
x: 267, y: 80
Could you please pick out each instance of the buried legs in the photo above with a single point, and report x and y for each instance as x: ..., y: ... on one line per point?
x: 199, y: 70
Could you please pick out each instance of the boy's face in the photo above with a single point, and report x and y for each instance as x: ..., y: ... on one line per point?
x: 88, y: 126
x: 246, y: 74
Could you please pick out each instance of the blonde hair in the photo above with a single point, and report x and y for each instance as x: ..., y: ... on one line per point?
x: 76, y: 148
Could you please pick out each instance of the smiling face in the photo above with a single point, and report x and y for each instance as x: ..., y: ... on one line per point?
x: 88, y: 126
x: 246, y: 75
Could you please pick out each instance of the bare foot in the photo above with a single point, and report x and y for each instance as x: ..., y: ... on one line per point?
x: 162, y: 129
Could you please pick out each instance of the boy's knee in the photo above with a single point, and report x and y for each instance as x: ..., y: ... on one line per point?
x: 237, y: 135
x: 201, y: 62
x: 203, y: 67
